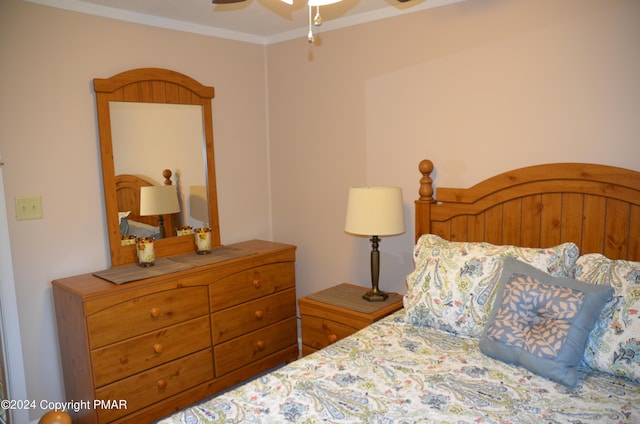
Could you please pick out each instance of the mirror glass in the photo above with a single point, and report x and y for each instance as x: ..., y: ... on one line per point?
x: 149, y: 120
x: 150, y: 137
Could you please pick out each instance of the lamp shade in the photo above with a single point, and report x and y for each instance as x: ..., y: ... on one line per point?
x: 375, y: 211
x: 158, y: 200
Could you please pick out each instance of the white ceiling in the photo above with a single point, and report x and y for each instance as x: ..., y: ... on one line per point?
x: 254, y: 21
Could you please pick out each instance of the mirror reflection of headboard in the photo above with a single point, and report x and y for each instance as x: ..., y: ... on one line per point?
x: 152, y: 85
x: 128, y: 197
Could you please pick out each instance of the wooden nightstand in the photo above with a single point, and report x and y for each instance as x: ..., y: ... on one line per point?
x: 337, y: 312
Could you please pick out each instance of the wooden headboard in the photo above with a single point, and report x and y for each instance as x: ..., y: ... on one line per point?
x: 595, y: 206
x: 128, y: 197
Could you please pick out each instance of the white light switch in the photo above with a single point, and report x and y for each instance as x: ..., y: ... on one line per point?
x: 28, y: 208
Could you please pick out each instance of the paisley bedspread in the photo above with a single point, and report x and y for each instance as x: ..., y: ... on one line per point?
x: 393, y: 372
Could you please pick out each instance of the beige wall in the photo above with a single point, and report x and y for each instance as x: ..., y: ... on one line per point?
x: 48, y: 140
x: 478, y: 87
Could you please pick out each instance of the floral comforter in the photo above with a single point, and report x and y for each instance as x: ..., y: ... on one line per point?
x: 393, y: 372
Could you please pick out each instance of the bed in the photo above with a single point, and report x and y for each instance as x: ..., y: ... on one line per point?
x: 132, y: 224
x: 523, y: 307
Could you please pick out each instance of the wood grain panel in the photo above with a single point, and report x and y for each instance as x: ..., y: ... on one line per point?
x: 512, y: 222
x: 616, y: 227
x: 459, y: 228
x: 442, y: 229
x: 476, y: 228
x: 593, y: 234
x: 570, y: 225
x: 550, y: 219
x: 494, y: 225
x: 145, y: 92
x: 531, y: 218
x: 159, y: 91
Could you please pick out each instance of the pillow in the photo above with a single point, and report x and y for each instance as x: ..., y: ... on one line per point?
x: 542, y: 323
x: 140, y: 229
x: 452, y: 285
x: 614, y: 344
x: 124, y: 224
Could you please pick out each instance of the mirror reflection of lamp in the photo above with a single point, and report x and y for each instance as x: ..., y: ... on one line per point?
x: 159, y: 200
x: 375, y: 211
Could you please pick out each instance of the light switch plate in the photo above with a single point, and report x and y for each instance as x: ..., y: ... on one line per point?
x: 28, y: 208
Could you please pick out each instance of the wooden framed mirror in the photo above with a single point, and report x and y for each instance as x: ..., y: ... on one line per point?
x: 161, y: 87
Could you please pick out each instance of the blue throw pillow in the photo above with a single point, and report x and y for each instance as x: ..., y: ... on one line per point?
x: 540, y: 322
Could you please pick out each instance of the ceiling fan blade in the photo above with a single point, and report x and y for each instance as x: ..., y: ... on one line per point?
x: 226, y: 1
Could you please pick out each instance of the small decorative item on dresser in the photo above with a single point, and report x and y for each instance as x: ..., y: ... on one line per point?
x: 146, y: 252
x: 184, y: 231
x: 127, y: 240
x: 203, y: 240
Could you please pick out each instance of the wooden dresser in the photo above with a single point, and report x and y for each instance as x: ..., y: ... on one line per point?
x: 138, y: 351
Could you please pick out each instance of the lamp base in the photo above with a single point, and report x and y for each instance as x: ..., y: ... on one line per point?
x: 375, y: 296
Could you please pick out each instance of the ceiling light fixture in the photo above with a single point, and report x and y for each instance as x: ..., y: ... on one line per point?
x: 313, y: 20
x: 317, y: 19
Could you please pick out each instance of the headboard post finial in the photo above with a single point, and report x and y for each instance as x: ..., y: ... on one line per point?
x: 167, y: 176
x: 426, y: 183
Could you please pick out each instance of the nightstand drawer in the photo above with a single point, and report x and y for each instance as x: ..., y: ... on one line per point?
x: 156, y: 384
x: 241, y: 319
x: 146, y: 313
x: 253, y: 346
x: 319, y: 332
x: 252, y: 284
x: 131, y: 356
x: 339, y: 311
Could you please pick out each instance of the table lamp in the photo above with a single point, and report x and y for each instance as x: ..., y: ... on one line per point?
x: 375, y: 212
x: 159, y: 200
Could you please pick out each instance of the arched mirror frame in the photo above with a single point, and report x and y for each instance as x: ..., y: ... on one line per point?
x: 152, y: 85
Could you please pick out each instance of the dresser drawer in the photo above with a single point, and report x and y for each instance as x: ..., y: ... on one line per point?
x: 146, y: 313
x: 156, y: 384
x: 252, y: 284
x: 320, y: 332
x: 241, y: 319
x: 253, y: 346
x: 131, y: 356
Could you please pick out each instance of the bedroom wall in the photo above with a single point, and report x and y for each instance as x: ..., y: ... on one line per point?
x: 48, y: 141
x: 478, y: 87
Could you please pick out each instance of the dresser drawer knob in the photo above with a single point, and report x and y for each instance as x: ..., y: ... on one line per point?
x: 155, y: 312
x: 161, y: 384
x: 260, y: 345
x: 259, y: 315
x: 157, y: 348
x: 332, y: 338
x: 257, y: 283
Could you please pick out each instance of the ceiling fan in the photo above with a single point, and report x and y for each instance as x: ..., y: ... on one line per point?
x: 311, y: 2
x: 313, y: 20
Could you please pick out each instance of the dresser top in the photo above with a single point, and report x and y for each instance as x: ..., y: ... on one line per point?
x: 259, y: 252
